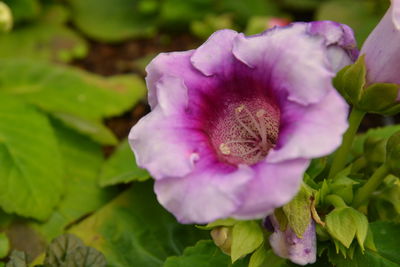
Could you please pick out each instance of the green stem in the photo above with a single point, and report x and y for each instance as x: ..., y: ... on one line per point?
x: 363, y: 194
x: 359, y: 164
x: 336, y: 201
x: 340, y: 157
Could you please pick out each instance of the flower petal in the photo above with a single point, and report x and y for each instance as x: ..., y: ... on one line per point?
x: 273, y: 185
x: 339, y: 40
x: 165, y: 153
x: 173, y: 64
x: 204, y: 195
x: 310, y: 131
x: 275, y: 56
x: 287, y: 245
x: 382, y: 50
x: 215, y: 55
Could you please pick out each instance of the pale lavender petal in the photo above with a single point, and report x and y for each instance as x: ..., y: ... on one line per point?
x: 215, y: 55
x: 275, y: 56
x: 339, y: 39
x: 288, y: 245
x: 204, y: 195
x: 382, y: 49
x: 173, y: 64
x: 166, y: 153
x: 265, y: 197
x: 313, y: 131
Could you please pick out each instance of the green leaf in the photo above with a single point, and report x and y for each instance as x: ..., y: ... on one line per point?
x: 343, y: 187
x: 245, y: 10
x: 301, y: 4
x: 59, y: 89
x: 386, y: 254
x: 379, y: 96
x: 17, y: 259
x: 259, y: 257
x: 391, y: 192
x: 4, y: 245
x: 340, y: 225
x: 78, y: 98
x: 31, y: 168
x: 203, y: 254
x: 361, y: 223
x: 95, y: 130
x: 393, y: 154
x: 69, y: 250
x: 317, y: 166
x: 221, y: 222
x: 24, y: 10
x: 381, y: 133
x: 298, y: 212
x: 247, y: 236
x: 134, y: 230
x: 111, y: 21
x: 59, y: 249
x: 83, y: 159
x: 375, y: 150
x: 6, y: 18
x: 350, y: 81
x: 121, y: 167
x: 263, y: 258
x: 43, y: 41
x: 179, y: 14
x: 85, y: 257
x: 346, y: 223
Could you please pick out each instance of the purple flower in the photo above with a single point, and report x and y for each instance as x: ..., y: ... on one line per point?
x: 235, y: 122
x: 286, y: 244
x: 382, y: 48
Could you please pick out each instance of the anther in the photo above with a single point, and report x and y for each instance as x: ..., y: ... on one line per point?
x: 224, y: 148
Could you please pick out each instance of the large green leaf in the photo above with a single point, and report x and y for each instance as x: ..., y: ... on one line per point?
x: 31, y: 177
x: 24, y: 10
x: 121, y: 167
x: 43, y: 41
x: 68, y: 90
x: 386, y: 238
x: 76, y: 97
x: 382, y: 132
x: 115, y: 20
x: 203, y: 254
x: 134, y: 230
x: 83, y: 159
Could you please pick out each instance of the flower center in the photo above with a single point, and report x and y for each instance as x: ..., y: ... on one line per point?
x: 246, y: 132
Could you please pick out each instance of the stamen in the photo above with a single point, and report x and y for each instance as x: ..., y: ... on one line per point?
x: 240, y: 141
x: 245, y: 153
x: 263, y: 131
x: 239, y: 120
x: 224, y: 149
x: 252, y: 119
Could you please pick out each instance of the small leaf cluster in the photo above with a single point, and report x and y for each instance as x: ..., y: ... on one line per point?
x: 64, y: 251
x: 380, y: 98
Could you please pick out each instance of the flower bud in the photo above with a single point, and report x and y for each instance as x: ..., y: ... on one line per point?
x: 222, y: 237
x: 286, y: 244
x: 382, y: 50
x: 352, y: 83
x: 6, y: 20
